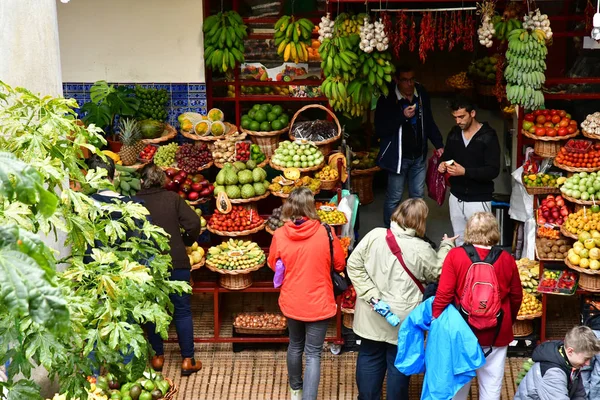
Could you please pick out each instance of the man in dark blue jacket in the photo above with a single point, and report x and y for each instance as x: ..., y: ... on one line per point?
x: 404, y: 123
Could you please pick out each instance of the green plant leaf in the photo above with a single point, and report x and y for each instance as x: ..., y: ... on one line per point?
x: 22, y: 390
x: 99, y: 115
x: 122, y: 103
x: 100, y: 91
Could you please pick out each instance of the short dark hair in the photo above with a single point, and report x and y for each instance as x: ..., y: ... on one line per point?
x: 95, y: 162
x: 153, y: 176
x: 404, y: 68
x: 461, y: 102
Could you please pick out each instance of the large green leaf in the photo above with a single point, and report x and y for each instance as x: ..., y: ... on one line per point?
x: 25, y: 291
x: 99, y: 115
x: 100, y: 91
x: 122, y: 102
x: 23, y: 390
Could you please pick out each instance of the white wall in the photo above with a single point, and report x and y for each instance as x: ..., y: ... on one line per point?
x: 131, y: 40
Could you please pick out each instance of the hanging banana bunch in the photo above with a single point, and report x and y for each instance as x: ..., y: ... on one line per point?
x: 224, y: 35
x: 293, y: 37
x: 524, y: 74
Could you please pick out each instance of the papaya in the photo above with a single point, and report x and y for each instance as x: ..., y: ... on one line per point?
x: 223, y: 203
x: 151, y: 129
x: 291, y: 173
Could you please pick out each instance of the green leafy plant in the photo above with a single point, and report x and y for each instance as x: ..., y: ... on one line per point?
x: 108, y: 101
x: 103, y: 297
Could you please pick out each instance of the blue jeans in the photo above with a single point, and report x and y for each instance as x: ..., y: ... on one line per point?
x: 307, y: 337
x: 182, y: 316
x: 374, y: 359
x: 412, y: 170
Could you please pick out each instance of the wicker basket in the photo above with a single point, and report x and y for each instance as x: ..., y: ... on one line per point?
x: 267, y: 141
x: 548, y: 138
x: 522, y: 328
x: 589, y: 280
x: 309, y: 169
x: 325, y: 146
x: 199, y: 265
x: 578, y: 201
x: 590, y: 135
x: 171, y: 394
x: 348, y: 320
x: 236, y: 279
x: 566, y: 233
x: 168, y: 134
x: 236, y: 234
x: 231, y: 131
x: 574, y: 169
x: 250, y: 200
x: 546, y: 149
x: 259, y: 331
x: 361, y: 182
x: 285, y: 196
x: 329, y: 185
x: 542, y: 190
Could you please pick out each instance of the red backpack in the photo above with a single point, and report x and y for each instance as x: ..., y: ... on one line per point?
x: 480, y: 302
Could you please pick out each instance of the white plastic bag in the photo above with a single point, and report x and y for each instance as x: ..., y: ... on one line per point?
x: 521, y: 202
x: 348, y: 205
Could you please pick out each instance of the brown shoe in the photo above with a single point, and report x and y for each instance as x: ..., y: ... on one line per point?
x: 157, y: 363
x: 190, y: 366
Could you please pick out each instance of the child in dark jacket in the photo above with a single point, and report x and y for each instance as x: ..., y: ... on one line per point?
x: 556, y: 373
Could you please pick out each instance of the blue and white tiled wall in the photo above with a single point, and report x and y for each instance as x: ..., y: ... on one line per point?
x: 184, y: 96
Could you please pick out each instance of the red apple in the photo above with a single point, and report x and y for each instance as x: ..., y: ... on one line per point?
x: 555, y: 214
x: 564, y: 212
x: 541, y: 119
x: 537, y: 112
x: 551, y: 203
x: 171, y: 172
x: 178, y: 179
x: 196, y: 187
x: 183, y: 173
x: 193, y: 196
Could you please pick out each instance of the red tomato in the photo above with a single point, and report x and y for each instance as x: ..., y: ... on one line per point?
x: 564, y: 123
x: 530, y: 117
x: 571, y: 129
x: 546, y: 112
x: 537, y: 112
x: 551, y: 132
x: 532, y: 129
x: 562, y: 131
x: 553, y: 112
x: 562, y: 113
x: 548, y: 124
x: 540, y: 119
x: 573, y: 122
x: 555, y: 118
x: 540, y: 131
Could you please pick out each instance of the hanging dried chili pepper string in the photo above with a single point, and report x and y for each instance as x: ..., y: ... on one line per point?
x: 423, y: 38
x: 468, y: 39
x: 499, y: 89
x: 459, y: 28
x: 441, y: 38
x: 451, y: 30
x: 413, y: 34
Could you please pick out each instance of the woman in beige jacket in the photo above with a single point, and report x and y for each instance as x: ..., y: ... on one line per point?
x: 377, y: 275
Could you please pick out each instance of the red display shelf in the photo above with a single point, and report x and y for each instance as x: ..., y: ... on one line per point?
x: 249, y: 82
x: 572, y: 81
x: 572, y: 96
x: 281, y: 98
x: 273, y: 20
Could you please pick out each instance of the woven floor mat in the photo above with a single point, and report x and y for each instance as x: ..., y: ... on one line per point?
x: 262, y: 375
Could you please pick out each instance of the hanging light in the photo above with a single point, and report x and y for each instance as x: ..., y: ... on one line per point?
x: 596, y: 22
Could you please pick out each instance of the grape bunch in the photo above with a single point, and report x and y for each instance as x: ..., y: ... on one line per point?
x: 165, y: 155
x: 153, y: 103
x: 191, y: 157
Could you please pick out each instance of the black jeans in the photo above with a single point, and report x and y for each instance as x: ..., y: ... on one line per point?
x: 374, y: 359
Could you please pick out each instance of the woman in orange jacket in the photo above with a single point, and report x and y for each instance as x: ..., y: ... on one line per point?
x: 306, y: 298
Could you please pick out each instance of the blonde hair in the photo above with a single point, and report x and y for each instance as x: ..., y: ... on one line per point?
x: 482, y: 229
x: 300, y: 204
x: 582, y: 340
x: 412, y: 214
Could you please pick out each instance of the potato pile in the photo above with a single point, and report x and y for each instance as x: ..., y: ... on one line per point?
x: 260, y: 320
x: 553, y: 249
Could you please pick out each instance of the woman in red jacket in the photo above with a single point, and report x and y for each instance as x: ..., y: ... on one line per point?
x: 482, y: 232
x: 306, y: 297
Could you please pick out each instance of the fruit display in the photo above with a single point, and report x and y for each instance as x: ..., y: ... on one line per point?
x: 502, y: 26
x: 558, y: 282
x: 153, y: 103
x: 215, y: 115
x: 235, y: 255
x: 327, y: 174
x: 552, y: 210
x: 567, y: 282
x: 147, y: 153
x: 127, y: 181
x: 199, y: 214
x: 537, y: 20
x: 293, y: 37
x: 131, y: 137
x: 526, y: 367
x: 224, y: 151
x: 460, y: 81
x: 260, y: 320
x: 152, y: 385
x: 484, y: 70
x: 151, y: 129
x: 543, y: 180
x: 242, y: 151
x: 256, y: 154
x: 585, y: 252
x: 224, y: 35
x: 265, y: 118
x: 547, y: 232
x: 591, y: 124
x: 274, y: 222
x: 552, y: 249
x: 326, y: 27
x: 113, y: 156
x: 188, y: 186
x: 281, y: 186
x: 549, y: 123
x: 329, y: 214
x: 582, y: 185
x: 193, y: 157
x: 297, y: 154
x: 525, y: 68
x: 584, y: 220
x: 349, y: 298
x: 187, y: 120
x: 165, y: 155
x: 237, y: 220
x: 529, y: 272
x: 576, y: 159
x: 530, y: 305
x: 364, y: 160
x: 195, y: 253
x: 239, y: 181
x: 372, y: 36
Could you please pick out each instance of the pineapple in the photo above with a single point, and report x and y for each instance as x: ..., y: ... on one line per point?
x: 131, y: 137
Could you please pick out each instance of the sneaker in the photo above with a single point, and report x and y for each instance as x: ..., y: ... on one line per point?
x: 296, y: 394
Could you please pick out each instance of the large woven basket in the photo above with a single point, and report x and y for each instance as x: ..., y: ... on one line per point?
x: 542, y: 190
x: 238, y: 233
x: 589, y: 280
x: 522, y: 328
x: 168, y: 134
x: 236, y: 279
x: 361, y: 183
x: 258, y: 331
x: 590, y: 135
x: 566, y: 233
x: 325, y: 146
x: 548, y: 138
x: 171, y: 394
x: 575, y: 169
x: 546, y: 149
x: 308, y: 169
x: 231, y: 131
x: 267, y: 141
